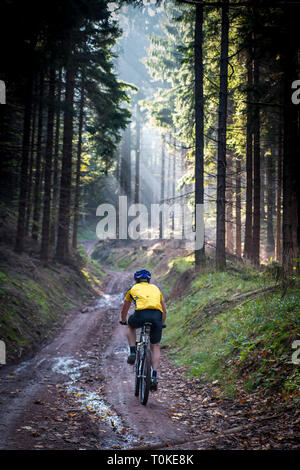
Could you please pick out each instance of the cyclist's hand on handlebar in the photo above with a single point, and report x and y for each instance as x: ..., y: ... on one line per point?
x: 123, y: 322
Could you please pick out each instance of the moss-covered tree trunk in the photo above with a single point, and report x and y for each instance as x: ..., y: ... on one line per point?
x: 249, y: 163
x: 199, y: 123
x: 221, y: 176
x: 45, y: 241
x: 63, y: 233
x: 19, y: 243
x: 78, y: 165
x: 56, y: 155
x: 38, y: 162
x: 238, y: 207
x: 256, y: 170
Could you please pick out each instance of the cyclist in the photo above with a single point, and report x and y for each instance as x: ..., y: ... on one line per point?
x: 149, y: 306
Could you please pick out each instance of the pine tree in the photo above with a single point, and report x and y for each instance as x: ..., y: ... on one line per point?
x: 221, y: 176
x: 78, y: 164
x: 63, y: 233
x: 199, y: 123
x: 45, y: 242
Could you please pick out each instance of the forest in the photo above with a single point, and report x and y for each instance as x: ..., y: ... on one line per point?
x: 216, y: 86
x: 165, y: 103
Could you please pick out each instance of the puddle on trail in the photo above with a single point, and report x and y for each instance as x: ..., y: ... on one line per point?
x: 110, y: 300
x: 90, y: 401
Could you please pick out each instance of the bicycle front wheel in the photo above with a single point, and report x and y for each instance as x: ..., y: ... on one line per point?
x: 145, y: 377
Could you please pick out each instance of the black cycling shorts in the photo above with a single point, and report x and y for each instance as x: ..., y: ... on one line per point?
x: 148, y: 315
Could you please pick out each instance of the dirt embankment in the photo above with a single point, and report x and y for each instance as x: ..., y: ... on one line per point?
x: 35, y: 300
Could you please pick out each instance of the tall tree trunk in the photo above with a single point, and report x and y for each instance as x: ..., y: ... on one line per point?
x: 169, y: 174
x: 199, y: 124
x: 162, y: 184
x: 263, y: 186
x: 256, y: 171
x: 117, y: 170
x: 290, y: 241
x: 173, y: 183
x: 270, y: 170
x: 55, y: 182
x: 78, y: 166
x: 182, y: 192
x: 278, y: 197
x: 62, y: 246
x: 19, y: 243
x: 238, y: 221
x: 229, y: 205
x: 48, y: 168
x: 290, y: 61
x: 38, y: 163
x: 31, y: 160
x: 221, y: 177
x: 249, y: 164
x: 137, y: 157
x: 125, y: 167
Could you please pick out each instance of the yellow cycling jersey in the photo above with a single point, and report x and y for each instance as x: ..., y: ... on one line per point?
x: 145, y: 296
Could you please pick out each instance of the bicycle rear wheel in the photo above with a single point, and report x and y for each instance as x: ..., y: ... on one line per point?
x: 137, y: 375
x: 145, y: 377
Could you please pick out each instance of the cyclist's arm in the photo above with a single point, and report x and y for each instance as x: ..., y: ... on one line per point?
x: 164, y: 315
x: 125, y: 309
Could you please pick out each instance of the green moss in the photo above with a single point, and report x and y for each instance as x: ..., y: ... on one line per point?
x: 3, y: 276
x: 30, y: 307
x: 219, y: 336
x: 182, y: 264
x: 126, y: 261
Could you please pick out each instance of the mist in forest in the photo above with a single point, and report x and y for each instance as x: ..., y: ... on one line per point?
x: 142, y: 141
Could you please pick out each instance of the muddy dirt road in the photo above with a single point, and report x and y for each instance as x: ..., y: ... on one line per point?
x: 77, y: 392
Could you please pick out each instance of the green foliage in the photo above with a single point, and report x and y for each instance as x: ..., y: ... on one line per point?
x: 220, y: 336
x: 182, y: 264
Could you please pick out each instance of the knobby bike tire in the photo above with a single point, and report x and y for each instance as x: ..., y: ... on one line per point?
x: 145, y: 377
x: 137, y: 374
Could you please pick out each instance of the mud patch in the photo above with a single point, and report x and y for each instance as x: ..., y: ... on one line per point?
x: 87, y: 399
x: 109, y: 300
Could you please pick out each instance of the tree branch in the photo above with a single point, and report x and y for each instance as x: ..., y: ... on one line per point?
x: 269, y: 3
x: 213, y: 4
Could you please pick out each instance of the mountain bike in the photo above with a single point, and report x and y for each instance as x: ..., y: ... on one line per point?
x: 142, y: 364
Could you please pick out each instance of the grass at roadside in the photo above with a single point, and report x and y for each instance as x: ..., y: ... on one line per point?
x: 232, y: 327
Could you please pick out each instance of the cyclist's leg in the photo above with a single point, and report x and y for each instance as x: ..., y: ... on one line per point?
x: 133, y: 323
x: 131, y: 335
